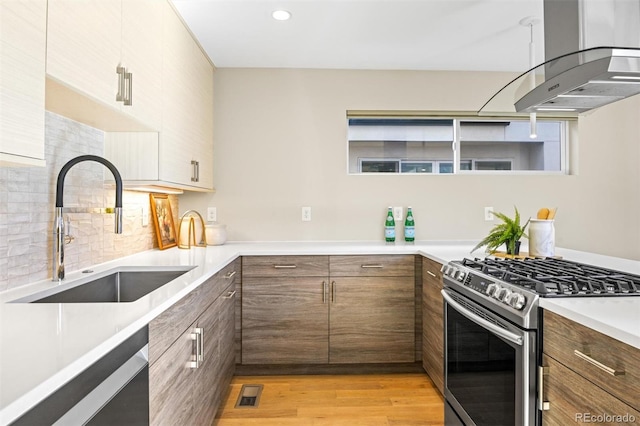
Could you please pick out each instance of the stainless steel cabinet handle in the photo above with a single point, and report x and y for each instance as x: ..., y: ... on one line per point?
x: 229, y: 295
x: 542, y: 404
x: 432, y: 274
x: 324, y: 292
x: 230, y: 275
x: 128, y: 78
x: 195, y: 176
x: 121, y: 83
x: 377, y: 266
x: 598, y: 364
x: 198, y: 344
x: 285, y: 266
x: 201, y: 344
x: 334, y: 297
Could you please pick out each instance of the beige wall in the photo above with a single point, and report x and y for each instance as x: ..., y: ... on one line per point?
x: 280, y: 144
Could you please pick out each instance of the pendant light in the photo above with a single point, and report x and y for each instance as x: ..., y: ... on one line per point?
x: 530, y: 21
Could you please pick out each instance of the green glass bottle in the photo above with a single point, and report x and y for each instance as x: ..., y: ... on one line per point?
x: 409, y: 227
x: 390, y: 227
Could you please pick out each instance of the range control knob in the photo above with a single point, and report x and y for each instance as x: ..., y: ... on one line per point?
x: 517, y: 301
x: 492, y: 289
x: 503, y: 295
x: 460, y: 275
x: 496, y: 293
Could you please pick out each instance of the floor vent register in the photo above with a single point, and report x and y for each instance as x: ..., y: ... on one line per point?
x: 249, y: 396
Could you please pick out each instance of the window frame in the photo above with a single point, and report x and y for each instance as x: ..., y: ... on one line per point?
x: 568, y: 139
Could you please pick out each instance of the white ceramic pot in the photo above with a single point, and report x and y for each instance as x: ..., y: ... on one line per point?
x: 542, y: 238
x: 216, y: 234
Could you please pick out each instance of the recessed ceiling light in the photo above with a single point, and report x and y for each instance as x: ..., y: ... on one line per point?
x: 281, y: 15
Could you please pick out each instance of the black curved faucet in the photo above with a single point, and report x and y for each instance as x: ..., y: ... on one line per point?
x: 58, y: 225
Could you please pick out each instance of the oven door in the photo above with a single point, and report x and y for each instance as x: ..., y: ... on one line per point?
x: 489, y: 366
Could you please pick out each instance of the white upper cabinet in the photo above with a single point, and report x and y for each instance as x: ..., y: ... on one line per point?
x: 186, y: 150
x: 84, y: 46
x: 142, y: 57
x: 180, y: 155
x: 22, y: 63
x: 88, y: 42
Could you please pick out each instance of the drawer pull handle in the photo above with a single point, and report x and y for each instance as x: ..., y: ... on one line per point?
x: 542, y: 404
x: 431, y: 273
x: 373, y: 266
x: 230, y: 295
x: 230, y: 275
x: 600, y: 365
x: 121, y: 83
x: 197, y: 354
x: 285, y: 266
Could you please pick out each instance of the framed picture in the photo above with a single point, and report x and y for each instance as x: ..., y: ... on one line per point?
x: 163, y: 220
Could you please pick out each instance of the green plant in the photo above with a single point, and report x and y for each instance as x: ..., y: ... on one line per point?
x: 508, y: 232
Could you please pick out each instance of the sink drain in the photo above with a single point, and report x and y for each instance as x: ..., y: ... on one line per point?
x: 249, y: 396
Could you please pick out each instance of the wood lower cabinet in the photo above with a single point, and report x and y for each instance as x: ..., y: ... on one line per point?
x: 372, y: 309
x: 191, y: 366
x: 285, y: 315
x: 589, y: 377
x: 432, y: 322
x: 372, y: 320
x: 284, y: 321
x: 295, y: 311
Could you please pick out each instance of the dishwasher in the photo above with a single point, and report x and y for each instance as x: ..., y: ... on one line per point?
x: 112, y: 391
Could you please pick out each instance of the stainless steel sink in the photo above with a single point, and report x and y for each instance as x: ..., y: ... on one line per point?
x: 114, y: 286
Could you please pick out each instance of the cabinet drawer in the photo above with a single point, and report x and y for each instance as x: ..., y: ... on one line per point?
x: 285, y: 266
x: 166, y: 328
x: 569, y: 343
x: 372, y: 266
x: 431, y: 271
x: 169, y: 325
x: 575, y: 400
x: 221, y: 280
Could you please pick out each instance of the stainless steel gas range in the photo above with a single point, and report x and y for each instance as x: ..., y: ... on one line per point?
x: 492, y: 331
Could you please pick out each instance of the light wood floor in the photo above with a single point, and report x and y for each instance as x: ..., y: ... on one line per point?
x: 353, y: 400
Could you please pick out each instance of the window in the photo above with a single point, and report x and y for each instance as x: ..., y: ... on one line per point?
x: 413, y: 145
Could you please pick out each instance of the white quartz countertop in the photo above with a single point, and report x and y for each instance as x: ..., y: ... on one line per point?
x: 42, y: 346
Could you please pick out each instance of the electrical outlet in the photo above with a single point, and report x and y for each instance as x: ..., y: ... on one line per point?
x: 488, y: 215
x: 398, y: 214
x: 145, y: 215
x: 306, y: 214
x: 212, y: 214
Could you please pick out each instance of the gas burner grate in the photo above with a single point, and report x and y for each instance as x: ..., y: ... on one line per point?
x: 558, y: 277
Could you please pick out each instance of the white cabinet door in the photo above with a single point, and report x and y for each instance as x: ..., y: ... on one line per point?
x: 142, y: 56
x: 187, y: 115
x: 86, y: 42
x: 84, y: 46
x: 22, y: 64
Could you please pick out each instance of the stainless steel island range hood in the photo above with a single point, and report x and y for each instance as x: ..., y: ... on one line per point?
x: 579, y: 75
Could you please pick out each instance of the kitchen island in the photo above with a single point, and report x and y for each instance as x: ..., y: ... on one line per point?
x: 42, y: 346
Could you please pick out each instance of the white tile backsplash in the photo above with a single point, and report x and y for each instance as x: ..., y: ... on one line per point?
x: 27, y: 198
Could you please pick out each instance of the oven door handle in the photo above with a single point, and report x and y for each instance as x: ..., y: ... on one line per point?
x: 505, y: 334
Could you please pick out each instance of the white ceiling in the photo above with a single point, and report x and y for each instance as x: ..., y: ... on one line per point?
x: 483, y: 35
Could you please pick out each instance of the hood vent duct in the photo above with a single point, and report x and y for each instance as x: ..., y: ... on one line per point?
x: 592, y: 58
